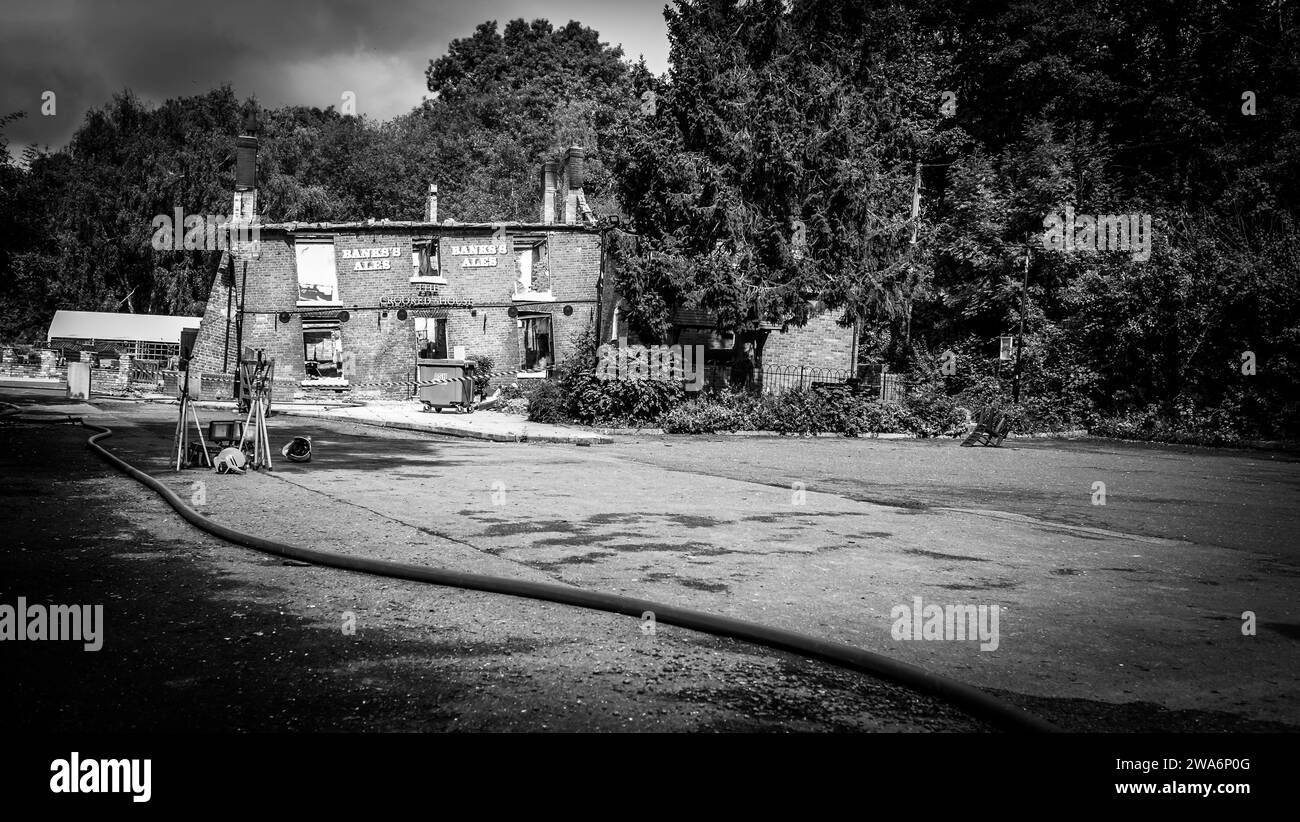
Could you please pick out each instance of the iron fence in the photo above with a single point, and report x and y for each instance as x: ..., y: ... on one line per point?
x: 778, y: 378
x: 891, y: 387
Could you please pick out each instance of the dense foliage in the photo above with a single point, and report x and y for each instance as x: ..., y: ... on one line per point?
x: 822, y: 111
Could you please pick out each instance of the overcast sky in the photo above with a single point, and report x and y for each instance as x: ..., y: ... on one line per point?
x: 298, y: 52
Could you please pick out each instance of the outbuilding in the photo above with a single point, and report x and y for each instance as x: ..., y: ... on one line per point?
x: 105, y: 334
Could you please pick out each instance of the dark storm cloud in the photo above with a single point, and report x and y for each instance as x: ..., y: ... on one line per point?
x: 281, y: 51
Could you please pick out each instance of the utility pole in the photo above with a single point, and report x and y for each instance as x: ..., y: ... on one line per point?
x: 1020, y: 337
x: 916, y: 227
x: 239, y: 336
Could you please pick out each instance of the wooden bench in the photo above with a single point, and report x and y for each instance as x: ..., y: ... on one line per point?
x: 990, y: 428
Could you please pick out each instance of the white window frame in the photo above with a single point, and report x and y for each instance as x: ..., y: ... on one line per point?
x: 315, y: 247
x: 438, y: 279
x: 523, y: 250
x: 332, y: 328
x: 536, y: 375
x: 423, y: 334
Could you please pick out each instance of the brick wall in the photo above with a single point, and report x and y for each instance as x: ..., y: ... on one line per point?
x: 822, y: 343
x: 379, y: 348
x: 272, y: 286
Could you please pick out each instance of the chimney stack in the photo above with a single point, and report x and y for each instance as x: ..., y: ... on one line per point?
x: 573, y: 163
x: 549, y: 173
x: 574, y: 159
x: 244, y: 207
x: 432, y: 210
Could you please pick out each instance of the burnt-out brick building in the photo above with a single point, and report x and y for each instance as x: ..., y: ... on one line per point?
x: 350, y: 307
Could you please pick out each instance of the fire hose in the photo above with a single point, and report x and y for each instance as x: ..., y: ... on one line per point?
x: 974, y: 701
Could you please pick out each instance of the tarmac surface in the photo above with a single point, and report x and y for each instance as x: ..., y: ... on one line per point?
x: 1122, y: 616
x: 481, y: 424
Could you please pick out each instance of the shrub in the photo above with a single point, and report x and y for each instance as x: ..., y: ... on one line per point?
x: 704, y: 415
x: 710, y: 413
x: 479, y: 367
x: 981, y: 391
x: 592, y: 400
x: 884, y: 418
x: 809, y: 411
x: 584, y: 398
x: 547, y: 403
x: 1186, y: 425
x: 804, y: 411
x: 1039, y: 415
x: 789, y: 413
x: 519, y: 390
x: 582, y: 352
x: 930, y: 412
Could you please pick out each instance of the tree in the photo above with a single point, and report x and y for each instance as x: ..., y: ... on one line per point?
x: 504, y: 103
x: 777, y: 175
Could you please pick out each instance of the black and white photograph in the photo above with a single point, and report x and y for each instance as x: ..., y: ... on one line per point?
x: 395, y: 380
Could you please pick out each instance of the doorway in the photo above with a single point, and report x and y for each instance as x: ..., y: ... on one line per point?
x: 431, y: 338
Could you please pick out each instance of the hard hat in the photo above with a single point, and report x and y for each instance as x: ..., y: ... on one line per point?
x: 231, y: 461
x: 298, y: 450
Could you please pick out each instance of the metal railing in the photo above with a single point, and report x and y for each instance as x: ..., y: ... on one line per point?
x: 778, y: 378
x: 891, y: 388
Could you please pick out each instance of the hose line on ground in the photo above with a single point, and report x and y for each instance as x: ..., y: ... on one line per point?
x: 974, y: 701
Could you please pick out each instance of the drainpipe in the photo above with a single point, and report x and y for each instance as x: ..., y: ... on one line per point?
x: 230, y: 302
x: 239, y: 334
